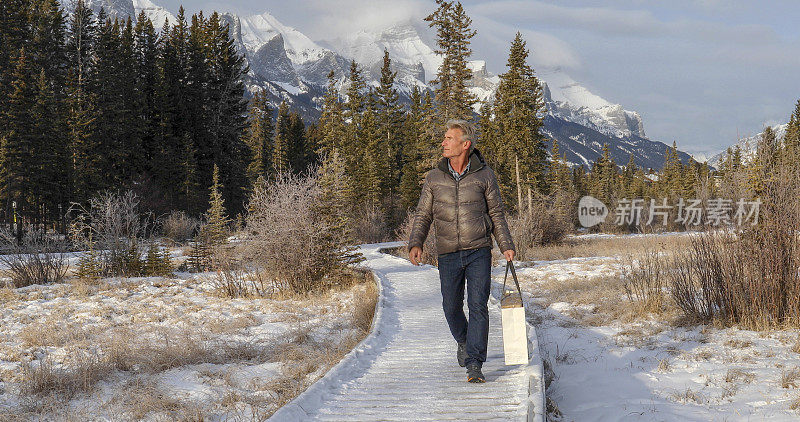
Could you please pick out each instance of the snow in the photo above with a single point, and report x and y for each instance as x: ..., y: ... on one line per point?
x: 647, y: 369
x: 257, y: 30
x: 294, y: 90
x: 232, y: 345
x: 410, y: 334
x: 403, y: 42
x: 154, y: 12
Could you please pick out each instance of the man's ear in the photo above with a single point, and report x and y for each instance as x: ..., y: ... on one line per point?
x: 469, y: 145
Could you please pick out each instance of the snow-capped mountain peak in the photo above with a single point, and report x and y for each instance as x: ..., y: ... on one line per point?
x: 258, y: 30
x: 154, y: 12
x: 406, y: 48
x: 748, y: 146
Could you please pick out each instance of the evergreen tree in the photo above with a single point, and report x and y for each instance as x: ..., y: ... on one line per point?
x: 215, y: 231
x: 453, y: 36
x: 390, y: 122
x: 559, y: 175
x: 299, y: 154
x: 761, y: 169
x: 227, y: 112
x: 521, y: 156
x: 791, y: 140
x: 14, y: 32
x: 146, y: 79
x: 331, y: 121
x: 18, y: 143
x: 259, y: 138
x: 413, y: 151
x: 280, y: 152
x: 602, y: 181
x: 50, y: 173
x: 87, y: 176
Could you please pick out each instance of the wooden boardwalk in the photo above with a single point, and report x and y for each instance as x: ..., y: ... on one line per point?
x: 407, y: 368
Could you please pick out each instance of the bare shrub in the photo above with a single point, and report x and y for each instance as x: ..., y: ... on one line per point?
x: 429, y: 254
x: 370, y: 225
x: 38, y: 259
x: 547, y: 221
x: 292, y: 238
x: 179, y: 227
x: 748, y: 275
x: 113, y: 226
x: 644, y: 278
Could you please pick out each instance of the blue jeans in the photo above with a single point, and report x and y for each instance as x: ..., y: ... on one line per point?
x: 474, y: 265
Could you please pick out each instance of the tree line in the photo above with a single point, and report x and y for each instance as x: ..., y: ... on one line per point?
x: 95, y: 104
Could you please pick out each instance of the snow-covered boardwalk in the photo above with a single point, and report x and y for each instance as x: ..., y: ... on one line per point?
x: 406, y: 368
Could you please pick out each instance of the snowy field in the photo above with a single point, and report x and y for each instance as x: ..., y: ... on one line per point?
x: 611, y: 363
x: 167, y: 348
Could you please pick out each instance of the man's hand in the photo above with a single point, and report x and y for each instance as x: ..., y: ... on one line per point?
x: 509, y: 254
x: 415, y: 255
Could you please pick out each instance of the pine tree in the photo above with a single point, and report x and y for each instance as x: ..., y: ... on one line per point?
x: 352, y: 111
x: 453, y: 36
x: 791, y: 140
x: 280, y: 152
x: 299, y: 154
x: 521, y: 156
x: 87, y: 176
x: 331, y: 121
x: 602, y: 181
x: 146, y: 80
x: 259, y: 138
x: 227, y: 112
x: 761, y: 169
x: 413, y: 151
x: 370, y: 175
x: 17, y: 146
x: 14, y: 32
x: 336, y: 197
x: 559, y: 175
x: 51, y: 161
x: 390, y: 123
x: 216, y: 229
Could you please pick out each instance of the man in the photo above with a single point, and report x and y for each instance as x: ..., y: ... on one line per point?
x: 460, y: 196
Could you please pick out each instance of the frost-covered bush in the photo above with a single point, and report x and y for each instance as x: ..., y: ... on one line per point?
x: 294, y: 235
x: 38, y: 259
x: 179, y: 227
x: 113, y: 226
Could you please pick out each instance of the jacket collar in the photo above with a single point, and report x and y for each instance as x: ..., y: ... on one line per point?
x: 476, y: 162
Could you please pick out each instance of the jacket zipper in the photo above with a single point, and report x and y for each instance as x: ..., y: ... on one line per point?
x: 458, y: 229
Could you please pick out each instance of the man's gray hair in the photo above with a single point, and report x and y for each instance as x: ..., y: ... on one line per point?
x: 468, y: 132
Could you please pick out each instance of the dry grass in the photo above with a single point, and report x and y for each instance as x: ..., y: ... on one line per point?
x: 739, y: 375
x: 364, y: 307
x: 790, y: 378
x: 574, y: 247
x: 688, y: 396
x: 141, y: 397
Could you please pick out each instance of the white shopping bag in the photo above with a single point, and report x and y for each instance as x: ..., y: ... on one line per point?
x: 515, y: 331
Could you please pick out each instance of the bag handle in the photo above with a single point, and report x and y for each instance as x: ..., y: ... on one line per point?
x: 513, y: 275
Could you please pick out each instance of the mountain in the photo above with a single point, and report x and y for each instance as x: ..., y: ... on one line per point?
x: 287, y: 65
x: 748, y: 146
x: 157, y: 14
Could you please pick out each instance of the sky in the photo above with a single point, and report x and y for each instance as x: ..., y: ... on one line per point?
x: 701, y: 73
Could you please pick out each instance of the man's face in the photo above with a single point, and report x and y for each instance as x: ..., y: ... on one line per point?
x: 452, y: 145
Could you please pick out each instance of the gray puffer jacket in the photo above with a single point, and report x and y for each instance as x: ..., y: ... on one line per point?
x: 464, y: 213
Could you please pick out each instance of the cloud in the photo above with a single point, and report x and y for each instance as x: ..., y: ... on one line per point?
x: 494, y: 41
x: 623, y: 23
